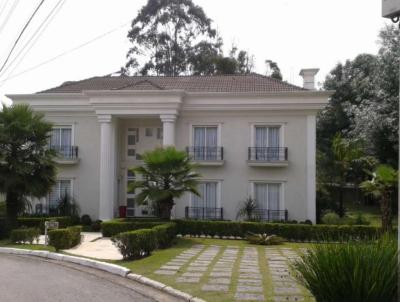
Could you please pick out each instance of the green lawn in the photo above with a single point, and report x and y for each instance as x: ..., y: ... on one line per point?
x: 7, y: 243
x: 371, y: 213
x: 149, y: 265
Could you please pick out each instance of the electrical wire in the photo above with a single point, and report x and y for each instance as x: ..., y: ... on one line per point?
x: 3, y: 7
x: 20, y: 35
x: 14, y: 5
x: 35, y: 37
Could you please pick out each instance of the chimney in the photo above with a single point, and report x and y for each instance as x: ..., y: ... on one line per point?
x: 309, y: 77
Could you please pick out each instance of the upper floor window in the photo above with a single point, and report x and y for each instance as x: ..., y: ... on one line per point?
x: 61, y: 140
x: 205, y: 143
x: 267, y: 143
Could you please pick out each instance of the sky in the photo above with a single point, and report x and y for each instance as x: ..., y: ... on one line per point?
x: 294, y: 33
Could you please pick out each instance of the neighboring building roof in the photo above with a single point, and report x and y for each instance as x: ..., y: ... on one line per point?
x: 217, y: 83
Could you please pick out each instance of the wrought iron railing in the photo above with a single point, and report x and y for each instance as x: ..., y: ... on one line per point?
x: 205, y: 153
x: 271, y: 215
x: 268, y: 153
x: 66, y: 152
x: 204, y: 213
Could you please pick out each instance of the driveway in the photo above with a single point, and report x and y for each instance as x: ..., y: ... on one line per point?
x: 31, y: 279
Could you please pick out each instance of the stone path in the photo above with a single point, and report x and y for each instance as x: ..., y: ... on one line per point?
x: 238, y: 270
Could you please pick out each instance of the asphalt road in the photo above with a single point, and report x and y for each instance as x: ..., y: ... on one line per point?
x: 30, y: 279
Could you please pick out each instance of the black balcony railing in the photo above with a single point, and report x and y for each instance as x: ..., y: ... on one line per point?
x: 204, y: 213
x: 66, y: 152
x: 271, y: 215
x: 205, y: 153
x: 268, y: 153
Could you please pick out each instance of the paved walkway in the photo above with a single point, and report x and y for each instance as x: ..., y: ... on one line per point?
x: 249, y: 274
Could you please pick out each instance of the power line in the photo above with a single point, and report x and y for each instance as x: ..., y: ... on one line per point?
x: 21, y: 33
x: 64, y: 53
x: 36, y: 35
x: 14, y: 5
x: 3, y: 7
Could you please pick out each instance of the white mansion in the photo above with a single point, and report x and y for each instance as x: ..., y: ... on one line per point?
x: 251, y: 135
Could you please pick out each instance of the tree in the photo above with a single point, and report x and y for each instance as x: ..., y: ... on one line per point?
x: 166, y: 174
x: 273, y: 70
x: 169, y: 37
x: 382, y: 185
x: 27, y: 168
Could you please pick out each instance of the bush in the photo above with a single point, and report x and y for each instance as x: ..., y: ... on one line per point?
x: 116, y: 226
x: 65, y: 238
x: 24, y: 235
x: 356, y: 272
x: 264, y: 239
x: 2, y: 208
x: 165, y: 234
x: 136, y: 244
x: 96, y: 226
x: 38, y: 222
x: 331, y: 218
x: 3, y: 228
x: 86, y: 220
x: 295, y: 232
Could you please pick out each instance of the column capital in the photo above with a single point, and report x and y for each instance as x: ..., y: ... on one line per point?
x: 104, y: 118
x: 168, y: 118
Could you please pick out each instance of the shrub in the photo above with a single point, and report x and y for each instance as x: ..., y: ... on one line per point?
x: 165, y: 234
x: 136, y: 244
x: 264, y: 239
x: 86, y: 220
x: 38, y: 222
x: 3, y: 228
x: 116, y: 226
x: 24, y: 235
x: 96, y: 226
x: 65, y: 238
x: 356, y: 272
x: 2, y: 208
x: 296, y: 232
x: 331, y: 218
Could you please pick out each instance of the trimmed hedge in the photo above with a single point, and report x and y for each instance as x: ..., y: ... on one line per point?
x: 3, y: 228
x: 136, y: 244
x: 38, y: 222
x: 140, y: 243
x: 24, y: 235
x: 295, y: 232
x: 65, y: 238
x: 116, y: 226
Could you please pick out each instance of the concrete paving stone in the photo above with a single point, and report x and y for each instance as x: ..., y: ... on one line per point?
x: 278, y: 265
x: 171, y: 267
x: 192, y: 274
x: 278, y: 270
x: 288, y: 298
x: 250, y: 276
x: 218, y: 269
x: 215, y: 288
x: 284, y: 284
x: 250, y: 281
x: 196, y: 268
x: 249, y: 270
x: 188, y: 279
x: 165, y: 272
x: 273, y: 273
x: 225, y: 281
x: 249, y: 289
x: 249, y: 297
x: 220, y: 274
x: 287, y: 290
x: 280, y: 258
x: 281, y: 278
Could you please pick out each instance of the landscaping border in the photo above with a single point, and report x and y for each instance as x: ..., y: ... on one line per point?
x: 103, y: 266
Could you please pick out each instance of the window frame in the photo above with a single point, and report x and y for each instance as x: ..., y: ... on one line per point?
x: 281, y: 191
x: 219, y: 193
x: 58, y: 181
x: 209, y: 125
x: 268, y: 125
x: 65, y: 126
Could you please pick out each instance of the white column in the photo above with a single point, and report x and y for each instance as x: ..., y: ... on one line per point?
x: 107, y: 167
x: 310, y: 168
x: 168, y: 121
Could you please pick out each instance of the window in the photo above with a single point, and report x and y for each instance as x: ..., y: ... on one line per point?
x: 149, y: 132
x: 131, y: 139
x: 61, y: 140
x: 130, y: 194
x: 59, y: 190
x: 267, y: 142
x: 205, y: 143
x: 159, y: 133
x: 205, y: 206
x: 268, y: 199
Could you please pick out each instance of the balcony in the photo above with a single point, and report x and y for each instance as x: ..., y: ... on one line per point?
x: 66, y: 155
x: 204, y: 213
x: 206, y: 156
x: 271, y: 215
x: 268, y: 156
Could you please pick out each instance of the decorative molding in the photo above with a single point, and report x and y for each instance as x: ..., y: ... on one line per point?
x: 105, y: 118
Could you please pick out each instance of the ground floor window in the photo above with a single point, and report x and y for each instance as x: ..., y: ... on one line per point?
x: 205, y: 206
x: 61, y: 188
x: 268, y: 199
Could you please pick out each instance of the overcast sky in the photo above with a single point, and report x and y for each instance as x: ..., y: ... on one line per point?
x: 295, y: 33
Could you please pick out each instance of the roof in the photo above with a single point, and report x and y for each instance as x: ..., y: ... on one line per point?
x: 215, y: 83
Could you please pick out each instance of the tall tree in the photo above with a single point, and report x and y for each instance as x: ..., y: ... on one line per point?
x: 27, y: 168
x: 166, y: 34
x: 166, y: 174
x: 273, y: 70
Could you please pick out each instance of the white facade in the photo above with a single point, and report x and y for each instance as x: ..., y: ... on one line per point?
x: 112, y: 128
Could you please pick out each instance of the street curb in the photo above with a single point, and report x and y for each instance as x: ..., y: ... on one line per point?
x: 103, y: 266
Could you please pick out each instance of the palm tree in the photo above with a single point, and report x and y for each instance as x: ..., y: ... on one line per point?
x: 27, y: 168
x: 248, y: 210
x: 382, y: 185
x: 167, y: 174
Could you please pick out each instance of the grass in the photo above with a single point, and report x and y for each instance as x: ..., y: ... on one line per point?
x: 39, y: 247
x: 370, y: 213
x: 149, y: 265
